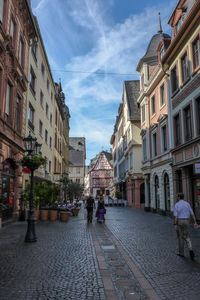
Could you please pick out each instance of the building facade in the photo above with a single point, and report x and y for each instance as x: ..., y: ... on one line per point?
x: 77, y: 156
x: 101, y: 174
x: 181, y: 63
x: 17, y: 32
x: 155, y: 126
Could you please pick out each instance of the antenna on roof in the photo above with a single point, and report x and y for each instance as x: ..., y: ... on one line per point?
x: 159, y: 24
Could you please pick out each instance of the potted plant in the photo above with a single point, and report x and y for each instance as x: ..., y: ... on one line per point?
x: 42, y: 193
x: 54, y: 191
x: 33, y: 162
x: 64, y: 215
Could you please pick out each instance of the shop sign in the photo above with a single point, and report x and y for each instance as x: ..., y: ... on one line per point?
x: 197, y: 168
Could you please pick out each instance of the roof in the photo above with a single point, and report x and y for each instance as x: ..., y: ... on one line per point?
x: 132, y: 89
x: 76, y: 158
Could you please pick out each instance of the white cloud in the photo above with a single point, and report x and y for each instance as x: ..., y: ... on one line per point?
x: 93, y: 99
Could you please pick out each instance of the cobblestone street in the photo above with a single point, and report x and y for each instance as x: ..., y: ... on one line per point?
x: 132, y: 256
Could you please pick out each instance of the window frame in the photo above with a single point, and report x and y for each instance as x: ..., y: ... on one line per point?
x: 18, y: 112
x: 177, y: 138
x: 155, y: 143
x: 32, y: 83
x: 188, y: 131
x: 162, y: 86
x: 174, y: 81
x: 197, y: 106
x: 8, y: 100
x: 153, y: 97
x: 194, y: 66
x: 185, y: 72
x: 40, y: 128
x: 164, y: 138
x: 21, y: 52
x: 31, y: 113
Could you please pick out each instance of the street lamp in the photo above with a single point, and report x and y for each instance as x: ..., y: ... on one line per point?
x: 32, y: 147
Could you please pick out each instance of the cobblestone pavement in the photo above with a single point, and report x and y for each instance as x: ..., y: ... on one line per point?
x: 60, y: 265
x: 151, y: 242
x: 64, y: 263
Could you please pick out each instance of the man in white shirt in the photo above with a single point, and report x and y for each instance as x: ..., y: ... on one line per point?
x: 182, y: 213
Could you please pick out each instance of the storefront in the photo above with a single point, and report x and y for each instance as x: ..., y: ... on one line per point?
x: 7, y: 194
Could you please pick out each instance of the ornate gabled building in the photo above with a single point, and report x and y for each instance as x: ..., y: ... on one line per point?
x: 101, y: 174
x: 17, y: 32
x: 181, y: 63
x: 155, y: 126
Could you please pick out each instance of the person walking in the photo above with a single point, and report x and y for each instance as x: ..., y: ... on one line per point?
x: 182, y: 213
x: 90, y: 205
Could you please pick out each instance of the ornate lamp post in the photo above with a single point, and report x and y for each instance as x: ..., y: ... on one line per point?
x: 32, y: 147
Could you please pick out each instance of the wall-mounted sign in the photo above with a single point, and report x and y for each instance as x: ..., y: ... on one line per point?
x: 197, y: 168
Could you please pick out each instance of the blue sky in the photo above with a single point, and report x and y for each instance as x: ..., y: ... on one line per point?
x: 105, y: 36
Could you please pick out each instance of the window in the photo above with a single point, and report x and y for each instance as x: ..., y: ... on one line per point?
x: 12, y: 29
x: 49, y: 166
x: 34, y: 50
x: 47, y: 110
x: 21, y: 52
x: 40, y: 127
x: 42, y: 99
x: 31, y: 116
x: 177, y: 130
x: 48, y: 84
x: 157, y: 197
x: 144, y: 149
x: 154, y: 144
x: 46, y: 136
x: 1, y: 10
x: 8, y: 99
x: 188, y: 124
x: 196, y: 53
x: 198, y: 115
x: 167, y: 192
x: 174, y: 80
x: 51, y: 96
x: 164, y: 138
x: 179, y: 186
x: 32, y: 80
x: 184, y: 68
x: 143, y: 113
x: 131, y: 160
x: 50, y: 142
x: 77, y: 180
x: 162, y: 95
x: 142, y: 81
x: 153, y: 105
x: 162, y: 51
x: 51, y: 119
x: 78, y: 170
x: 18, y: 114
x: 42, y: 69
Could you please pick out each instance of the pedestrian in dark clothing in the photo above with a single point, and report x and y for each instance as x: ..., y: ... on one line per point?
x: 90, y: 205
x: 182, y: 213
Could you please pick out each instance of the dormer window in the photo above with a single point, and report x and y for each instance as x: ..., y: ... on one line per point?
x: 162, y: 51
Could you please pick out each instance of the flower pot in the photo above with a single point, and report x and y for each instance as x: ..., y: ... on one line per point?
x: 44, y: 214
x: 76, y: 211
x: 64, y: 216
x: 36, y: 214
x: 53, y: 215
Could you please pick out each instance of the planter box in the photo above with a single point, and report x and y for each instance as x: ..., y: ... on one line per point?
x: 44, y: 213
x: 53, y: 215
x: 64, y: 216
x: 36, y: 214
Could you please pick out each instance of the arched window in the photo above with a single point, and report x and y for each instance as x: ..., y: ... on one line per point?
x: 167, y: 192
x: 157, y: 199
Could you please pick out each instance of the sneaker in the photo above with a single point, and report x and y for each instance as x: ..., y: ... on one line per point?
x: 192, y: 254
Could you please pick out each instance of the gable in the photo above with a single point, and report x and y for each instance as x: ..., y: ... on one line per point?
x: 102, y: 163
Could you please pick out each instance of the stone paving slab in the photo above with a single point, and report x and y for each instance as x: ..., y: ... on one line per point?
x: 61, y: 265
x: 150, y: 241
